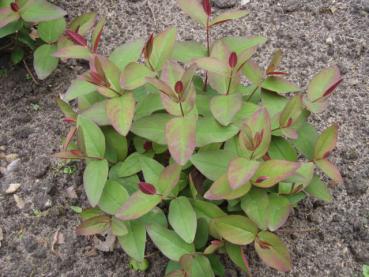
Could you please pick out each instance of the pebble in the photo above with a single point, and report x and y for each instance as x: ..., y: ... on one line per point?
x: 19, y: 201
x: 225, y: 4
x: 12, y: 188
x: 11, y: 157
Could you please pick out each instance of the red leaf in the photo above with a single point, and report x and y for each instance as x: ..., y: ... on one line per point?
x: 232, y: 61
x: 261, y: 179
x: 266, y: 157
x: 289, y: 123
x: 207, y: 7
x: 277, y: 73
x: 148, y: 47
x: 147, y: 188
x: 14, y: 6
x: 179, y: 87
x: 97, y: 41
x: 332, y: 88
x: 147, y: 145
x: 76, y: 152
x: 69, y: 137
x: 75, y: 37
x: 69, y: 120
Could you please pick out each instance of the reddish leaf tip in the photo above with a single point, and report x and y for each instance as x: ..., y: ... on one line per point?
x: 261, y: 179
x: 14, y: 6
x: 179, y: 87
x: 147, y: 188
x: 69, y: 120
x: 232, y: 61
x: 332, y: 88
x: 76, y: 152
x: 75, y: 37
x: 148, y: 47
x: 207, y: 7
x: 147, y: 145
x: 289, y: 122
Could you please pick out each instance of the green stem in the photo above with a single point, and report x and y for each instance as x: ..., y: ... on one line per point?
x: 180, y: 105
x: 252, y: 93
x: 230, y: 81
x: 205, y: 88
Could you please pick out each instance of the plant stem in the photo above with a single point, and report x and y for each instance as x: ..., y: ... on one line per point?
x: 180, y: 105
x: 252, y: 93
x: 208, y: 52
x: 230, y: 81
x: 30, y: 72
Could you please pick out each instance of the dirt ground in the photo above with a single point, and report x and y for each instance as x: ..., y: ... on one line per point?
x: 324, y: 239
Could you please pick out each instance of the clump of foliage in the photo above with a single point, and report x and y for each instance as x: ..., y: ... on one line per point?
x: 40, y: 27
x: 199, y: 168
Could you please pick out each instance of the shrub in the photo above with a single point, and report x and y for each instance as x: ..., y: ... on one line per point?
x: 201, y: 168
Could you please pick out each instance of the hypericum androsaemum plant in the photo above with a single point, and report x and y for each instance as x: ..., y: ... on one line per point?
x: 201, y: 172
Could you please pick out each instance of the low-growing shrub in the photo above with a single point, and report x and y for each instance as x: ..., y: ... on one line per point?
x: 39, y: 27
x: 202, y: 167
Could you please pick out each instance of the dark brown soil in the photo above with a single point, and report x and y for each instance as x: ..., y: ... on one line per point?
x: 324, y: 239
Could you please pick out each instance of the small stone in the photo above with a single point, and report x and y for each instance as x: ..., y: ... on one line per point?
x: 2, y: 148
x: 225, y: 4
x: 19, y: 201
x: 11, y: 157
x: 48, y: 204
x: 12, y: 166
x: 12, y: 188
x: 329, y: 40
x: 244, y: 2
x: 71, y: 192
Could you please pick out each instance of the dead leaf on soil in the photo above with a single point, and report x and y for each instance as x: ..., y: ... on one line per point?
x: 12, y: 188
x: 106, y: 245
x: 19, y: 201
x: 71, y: 192
x: 58, y: 238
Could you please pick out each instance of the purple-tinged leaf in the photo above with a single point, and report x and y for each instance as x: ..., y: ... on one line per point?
x: 94, y: 226
x: 163, y: 88
x: 96, y: 35
x: 253, y: 72
x: 326, y: 143
x: 317, y: 106
x: 236, y: 229
x: 291, y: 112
x: 147, y: 50
x: 14, y: 6
x: 76, y: 38
x: 323, y: 83
x: 213, y: 65
x: 137, y: 205
x: 168, y: 179
x: 162, y: 48
x: 225, y: 107
x: 330, y: 170
x: 68, y: 155
x: 221, y: 189
x: 214, y: 246
x: 127, y: 53
x: 180, y: 134
x: 240, y: 171
x: 147, y: 188
x: 227, y: 16
x: 232, y: 62
x: 274, y: 63
x: 120, y: 111
x: 290, y: 133
x: 273, y: 251
x: 236, y: 254
x: 195, y: 10
x: 271, y: 172
x: 73, y: 52
x: 7, y: 16
x: 207, y: 7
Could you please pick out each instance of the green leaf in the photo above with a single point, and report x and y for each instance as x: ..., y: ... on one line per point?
x: 225, y: 107
x: 274, y: 102
x: 196, y: 265
x: 235, y: 253
x: 36, y: 11
x: 271, y: 172
x: 278, y: 211
x: 172, y: 266
x: 186, y: 51
x: 96, y: 34
x: 83, y: 23
x: 212, y: 164
x: 44, y: 62
x: 162, y: 48
x: 149, y: 104
x: 97, y: 113
x: 168, y: 242
x: 93, y: 140
x: 118, y: 227
x: 194, y: 9
x: 272, y: 251
x: 206, y: 210
x: 10, y: 28
x: 182, y: 218
x: 209, y: 131
x: 325, y: 143
x: 202, y: 234
x: 79, y: 88
x: 152, y: 127
x: 50, y: 31
x: 130, y: 166
x: 240, y: 171
x: 240, y: 44
x: 319, y: 189
x: 221, y: 189
x: 155, y: 216
x: 17, y: 55
x: 93, y: 226
x: 127, y: 53
x: 279, y: 85
x: 120, y: 111
x: 216, y: 265
x: 7, y: 17
x: 94, y: 179
x: 66, y: 109
x: 365, y: 270
x: 330, y: 170
x: 113, y: 197
x: 134, y: 75
x: 133, y: 243
x: 90, y: 213
x: 137, y: 205
x: 281, y: 149
x: 73, y: 52
x: 229, y: 15
x: 116, y: 145
x: 151, y: 169
x: 213, y: 65
x: 236, y: 229
x: 326, y: 80
x: 291, y: 111
x: 168, y: 179
x: 255, y: 204
x: 302, y: 177
x: 180, y: 134
x: 253, y: 72
x: 305, y: 142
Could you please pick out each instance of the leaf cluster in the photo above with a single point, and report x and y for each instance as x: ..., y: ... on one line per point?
x: 200, y: 165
